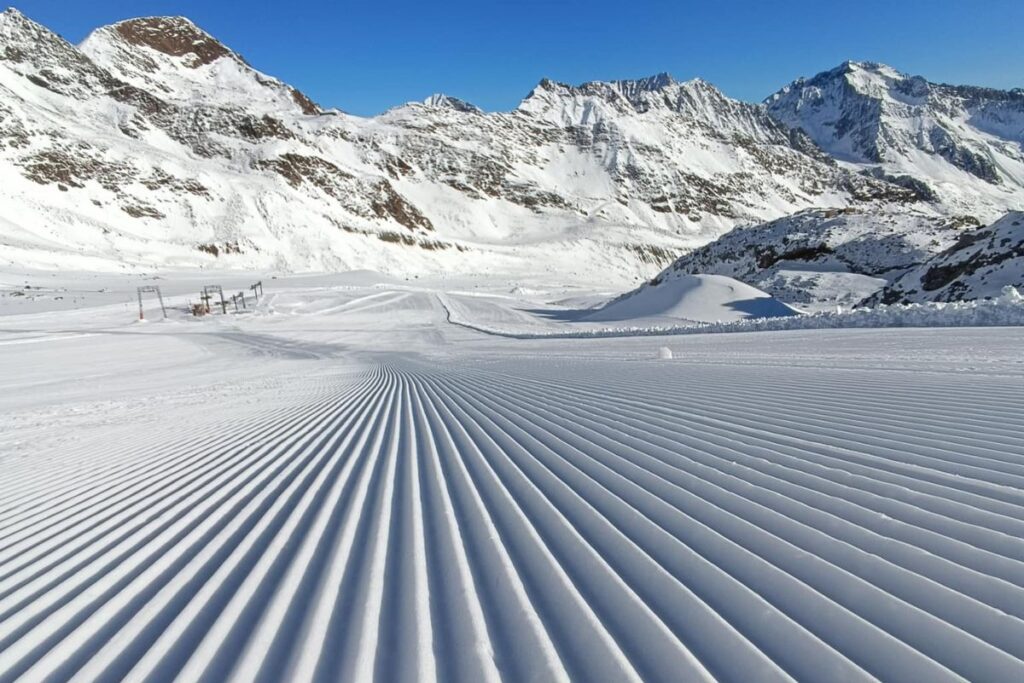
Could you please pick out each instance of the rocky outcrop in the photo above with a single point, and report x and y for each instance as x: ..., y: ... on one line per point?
x: 820, y: 257
x: 978, y: 266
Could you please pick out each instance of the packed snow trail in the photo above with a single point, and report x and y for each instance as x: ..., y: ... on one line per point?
x: 345, y: 485
x: 503, y: 519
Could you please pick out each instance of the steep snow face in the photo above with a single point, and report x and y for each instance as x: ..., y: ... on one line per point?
x: 696, y: 103
x: 174, y: 59
x: 43, y: 60
x: 964, y: 142
x: 820, y: 257
x: 978, y: 266
x: 696, y: 298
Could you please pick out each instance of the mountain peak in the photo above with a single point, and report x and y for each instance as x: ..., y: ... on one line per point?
x: 174, y: 36
x: 851, y: 71
x: 442, y: 101
x: 658, y: 81
x: 867, y: 112
x: 863, y: 72
x: 12, y: 20
x: 14, y: 14
x: 171, y: 57
x: 875, y: 67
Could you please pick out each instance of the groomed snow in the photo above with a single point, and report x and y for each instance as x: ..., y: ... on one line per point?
x: 341, y: 484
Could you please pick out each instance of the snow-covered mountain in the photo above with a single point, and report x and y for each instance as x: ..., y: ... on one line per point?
x: 820, y: 257
x: 153, y: 143
x: 978, y: 266
x: 965, y: 144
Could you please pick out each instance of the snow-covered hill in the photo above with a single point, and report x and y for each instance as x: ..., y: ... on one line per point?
x: 694, y: 298
x: 153, y: 143
x: 963, y: 143
x: 978, y: 266
x: 821, y: 257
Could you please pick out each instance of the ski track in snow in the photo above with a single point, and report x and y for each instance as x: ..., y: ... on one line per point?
x: 501, y: 517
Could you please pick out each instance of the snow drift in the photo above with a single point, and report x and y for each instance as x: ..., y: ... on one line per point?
x: 699, y: 298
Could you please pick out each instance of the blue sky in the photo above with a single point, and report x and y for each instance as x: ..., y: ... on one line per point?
x: 366, y: 56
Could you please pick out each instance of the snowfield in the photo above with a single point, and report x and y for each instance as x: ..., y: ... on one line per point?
x: 342, y: 484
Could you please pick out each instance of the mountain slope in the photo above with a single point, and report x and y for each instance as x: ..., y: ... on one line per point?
x: 98, y: 170
x: 978, y: 266
x: 820, y: 257
x: 155, y: 144
x: 174, y: 59
x: 965, y: 143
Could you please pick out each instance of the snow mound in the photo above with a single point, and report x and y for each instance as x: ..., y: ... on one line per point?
x: 1007, y: 310
x: 700, y: 298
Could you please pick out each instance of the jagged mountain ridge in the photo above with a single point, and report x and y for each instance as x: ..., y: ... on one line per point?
x: 136, y: 147
x: 965, y: 143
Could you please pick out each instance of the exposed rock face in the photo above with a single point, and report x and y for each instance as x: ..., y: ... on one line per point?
x: 978, y: 266
x: 172, y: 58
x: 964, y: 144
x: 175, y: 36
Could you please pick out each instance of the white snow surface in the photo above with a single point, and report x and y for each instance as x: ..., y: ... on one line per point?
x: 820, y: 258
x: 340, y: 484
x: 696, y: 298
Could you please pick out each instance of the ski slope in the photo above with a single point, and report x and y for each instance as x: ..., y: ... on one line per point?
x: 342, y: 485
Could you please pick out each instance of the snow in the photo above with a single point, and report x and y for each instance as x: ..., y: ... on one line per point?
x: 818, y: 258
x: 981, y: 265
x: 700, y: 298
x: 341, y: 484
x: 871, y: 116
x: 141, y: 155
x: 495, y: 318
x: 453, y: 450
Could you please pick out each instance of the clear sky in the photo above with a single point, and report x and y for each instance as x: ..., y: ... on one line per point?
x: 367, y: 56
